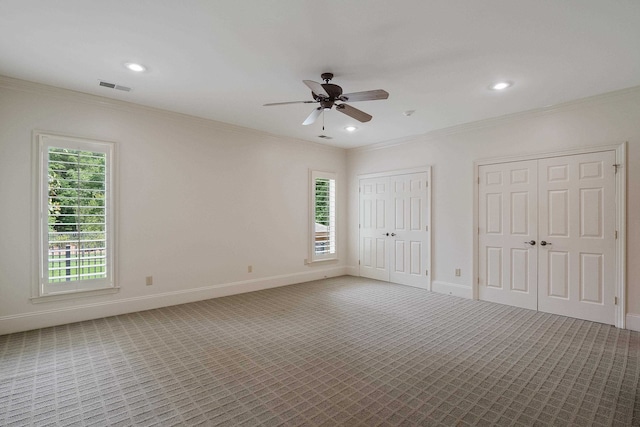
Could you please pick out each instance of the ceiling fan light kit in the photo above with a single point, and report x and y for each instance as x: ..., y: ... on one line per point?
x: 327, y: 94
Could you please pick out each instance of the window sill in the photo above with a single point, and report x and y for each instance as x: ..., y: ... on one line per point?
x: 323, y: 261
x: 74, y: 294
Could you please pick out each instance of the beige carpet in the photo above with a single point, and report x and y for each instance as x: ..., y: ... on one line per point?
x: 344, y: 351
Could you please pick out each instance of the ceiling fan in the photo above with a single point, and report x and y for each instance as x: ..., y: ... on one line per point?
x: 327, y: 94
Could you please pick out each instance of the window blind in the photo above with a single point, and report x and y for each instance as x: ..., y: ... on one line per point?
x: 77, y: 215
x: 323, y: 216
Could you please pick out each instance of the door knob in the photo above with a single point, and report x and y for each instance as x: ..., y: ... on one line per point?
x: 531, y: 242
x: 543, y: 243
x: 393, y: 234
x: 385, y: 234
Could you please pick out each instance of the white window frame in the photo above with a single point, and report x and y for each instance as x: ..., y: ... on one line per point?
x: 42, y: 290
x: 333, y: 232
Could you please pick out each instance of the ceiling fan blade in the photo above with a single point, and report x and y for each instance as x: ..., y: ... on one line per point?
x: 291, y: 102
x: 313, y: 116
x: 368, y: 95
x: 316, y: 88
x: 359, y: 115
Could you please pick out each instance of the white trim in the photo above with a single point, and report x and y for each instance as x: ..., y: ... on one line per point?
x: 61, y: 296
x: 397, y: 172
x: 621, y: 218
x: 475, y: 231
x: 428, y: 224
x: 546, y: 155
x: 61, y: 316
x: 453, y: 289
x: 41, y: 140
x: 621, y: 227
x: 332, y: 176
x: 633, y: 322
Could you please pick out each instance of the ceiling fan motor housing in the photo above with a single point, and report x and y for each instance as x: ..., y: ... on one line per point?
x: 334, y: 92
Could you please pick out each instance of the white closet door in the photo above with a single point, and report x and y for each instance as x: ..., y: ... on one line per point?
x: 507, y: 218
x: 577, y: 209
x: 394, y: 239
x: 374, y: 225
x: 408, y: 232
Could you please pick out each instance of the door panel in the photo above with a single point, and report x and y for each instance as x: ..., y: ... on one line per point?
x: 508, y: 212
x: 577, y: 209
x: 591, y: 212
x: 558, y: 273
x: 494, y: 267
x: 591, y: 278
x: 558, y: 214
x: 520, y: 265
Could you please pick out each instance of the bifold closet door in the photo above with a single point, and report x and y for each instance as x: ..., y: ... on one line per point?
x: 577, y: 233
x: 507, y: 220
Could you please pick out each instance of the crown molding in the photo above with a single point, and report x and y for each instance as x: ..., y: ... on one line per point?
x: 116, y: 104
x: 500, y: 120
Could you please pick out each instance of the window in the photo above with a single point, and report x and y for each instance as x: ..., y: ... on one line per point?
x: 323, y: 216
x: 76, y: 215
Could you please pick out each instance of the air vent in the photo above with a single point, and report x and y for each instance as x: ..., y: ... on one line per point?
x: 114, y: 86
x: 325, y: 137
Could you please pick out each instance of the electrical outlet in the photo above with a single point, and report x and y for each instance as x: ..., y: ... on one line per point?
x: 149, y: 280
x: 250, y: 269
x: 458, y: 272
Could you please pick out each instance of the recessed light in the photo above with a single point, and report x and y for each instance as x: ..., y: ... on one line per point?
x: 350, y: 128
x: 135, y: 67
x: 500, y: 85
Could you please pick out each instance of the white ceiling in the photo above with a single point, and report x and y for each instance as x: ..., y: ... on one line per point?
x: 223, y: 59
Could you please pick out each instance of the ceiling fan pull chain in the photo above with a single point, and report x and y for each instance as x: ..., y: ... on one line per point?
x: 323, y: 119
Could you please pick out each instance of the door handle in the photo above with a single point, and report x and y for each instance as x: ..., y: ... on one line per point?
x: 393, y: 234
x: 531, y: 242
x: 543, y: 243
x: 385, y: 234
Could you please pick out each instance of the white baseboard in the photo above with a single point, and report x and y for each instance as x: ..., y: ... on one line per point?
x: 632, y: 322
x: 452, y: 289
x: 61, y: 316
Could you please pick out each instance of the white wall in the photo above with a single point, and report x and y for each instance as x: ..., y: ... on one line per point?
x: 603, y: 120
x: 199, y: 201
